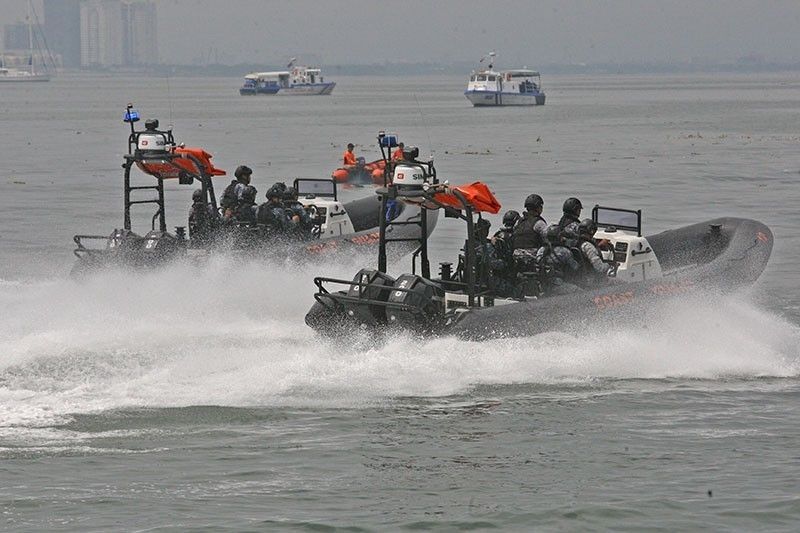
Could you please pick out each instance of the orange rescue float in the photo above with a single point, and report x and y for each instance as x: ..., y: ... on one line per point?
x: 190, y: 160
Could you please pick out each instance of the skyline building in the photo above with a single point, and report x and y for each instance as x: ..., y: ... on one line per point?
x: 62, y: 29
x: 15, y: 36
x: 101, y: 30
x: 139, y: 33
x: 118, y: 33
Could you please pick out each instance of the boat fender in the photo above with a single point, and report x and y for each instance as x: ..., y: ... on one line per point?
x: 340, y: 175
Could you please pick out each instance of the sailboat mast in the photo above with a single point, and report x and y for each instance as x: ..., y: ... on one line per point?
x: 30, y: 38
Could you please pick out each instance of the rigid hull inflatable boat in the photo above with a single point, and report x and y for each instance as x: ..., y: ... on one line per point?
x: 337, y: 227
x: 721, y: 254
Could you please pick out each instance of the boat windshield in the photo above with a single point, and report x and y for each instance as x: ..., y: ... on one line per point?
x: 481, y: 77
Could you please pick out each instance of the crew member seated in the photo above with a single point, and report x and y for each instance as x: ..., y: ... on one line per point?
x: 498, y: 275
x: 503, y: 239
x: 529, y: 233
x: 246, y: 210
x: 348, y: 157
x: 596, y: 270
x: 296, y: 212
x: 397, y: 155
x: 229, y: 202
x: 272, y: 213
x: 556, y: 265
x: 202, y: 217
x: 570, y: 220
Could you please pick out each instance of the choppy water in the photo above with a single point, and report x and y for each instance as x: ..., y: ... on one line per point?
x: 197, y: 399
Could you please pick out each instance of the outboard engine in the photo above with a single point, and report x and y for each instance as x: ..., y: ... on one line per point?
x: 374, y: 287
x: 152, y: 142
x: 409, y: 175
x: 125, y: 244
x: 159, y: 246
x: 424, y: 298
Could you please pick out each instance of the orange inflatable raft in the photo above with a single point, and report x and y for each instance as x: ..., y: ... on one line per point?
x: 368, y: 172
x: 191, y: 161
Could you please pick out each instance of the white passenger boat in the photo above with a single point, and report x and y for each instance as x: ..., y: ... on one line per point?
x: 489, y: 87
x: 299, y: 80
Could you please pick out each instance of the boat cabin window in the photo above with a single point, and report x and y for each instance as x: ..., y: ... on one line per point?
x: 624, y: 219
x: 492, y: 78
x: 481, y: 77
x: 472, y: 78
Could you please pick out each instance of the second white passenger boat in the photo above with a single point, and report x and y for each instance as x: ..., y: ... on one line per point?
x: 489, y: 87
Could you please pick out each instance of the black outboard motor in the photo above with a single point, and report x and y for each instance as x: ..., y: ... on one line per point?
x: 425, y: 299
x: 159, y: 246
x: 376, y: 289
x: 125, y: 245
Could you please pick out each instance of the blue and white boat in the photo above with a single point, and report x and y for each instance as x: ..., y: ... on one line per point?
x: 489, y: 87
x: 260, y: 83
x: 305, y: 81
x: 300, y: 80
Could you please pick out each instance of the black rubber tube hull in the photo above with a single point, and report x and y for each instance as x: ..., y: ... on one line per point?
x: 731, y: 255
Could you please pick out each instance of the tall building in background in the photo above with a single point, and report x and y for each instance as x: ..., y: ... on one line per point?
x: 139, y: 33
x: 115, y: 33
x: 62, y: 29
x: 15, y: 36
x: 101, y: 32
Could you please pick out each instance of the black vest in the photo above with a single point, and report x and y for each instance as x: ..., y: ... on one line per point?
x: 524, y: 234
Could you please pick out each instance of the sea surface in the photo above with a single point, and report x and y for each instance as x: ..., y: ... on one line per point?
x: 197, y: 400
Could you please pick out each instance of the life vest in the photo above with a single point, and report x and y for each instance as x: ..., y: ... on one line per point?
x: 525, y: 236
x: 229, y: 199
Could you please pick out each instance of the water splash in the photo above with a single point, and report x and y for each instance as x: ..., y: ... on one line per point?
x: 233, y: 334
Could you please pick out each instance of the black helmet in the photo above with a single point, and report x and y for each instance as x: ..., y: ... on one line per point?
x: 249, y: 194
x: 242, y: 170
x: 290, y: 194
x: 533, y: 201
x: 482, y: 228
x: 573, y: 206
x: 553, y: 234
x: 587, y: 227
x: 275, y: 191
x: 197, y: 195
x: 510, y: 218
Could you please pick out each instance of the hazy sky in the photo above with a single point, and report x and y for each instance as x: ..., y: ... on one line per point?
x: 530, y: 32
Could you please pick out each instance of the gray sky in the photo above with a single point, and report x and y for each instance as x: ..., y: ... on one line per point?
x: 530, y: 32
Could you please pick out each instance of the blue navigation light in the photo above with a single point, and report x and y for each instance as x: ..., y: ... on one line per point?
x: 131, y: 115
x: 388, y: 140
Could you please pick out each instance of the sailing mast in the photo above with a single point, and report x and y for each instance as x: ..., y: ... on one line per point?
x: 30, y: 39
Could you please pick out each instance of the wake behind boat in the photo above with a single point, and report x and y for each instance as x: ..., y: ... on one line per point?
x: 515, y: 87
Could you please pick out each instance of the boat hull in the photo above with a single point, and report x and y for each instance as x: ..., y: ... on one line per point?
x: 247, y: 91
x: 244, y: 242
x: 497, y: 98
x: 308, y: 89
x: 694, y: 261
x: 23, y: 79
x: 716, y: 256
